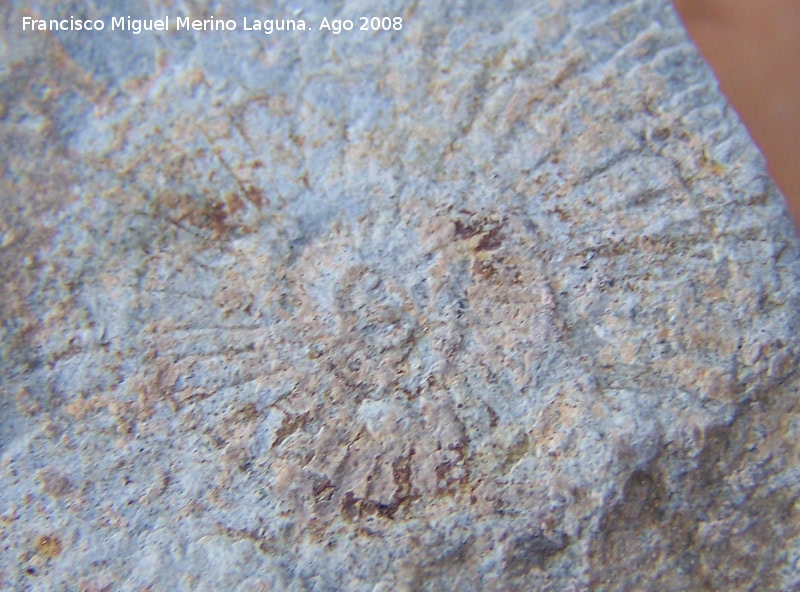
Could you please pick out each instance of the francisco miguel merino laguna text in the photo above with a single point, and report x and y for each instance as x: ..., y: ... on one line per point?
x: 136, y: 26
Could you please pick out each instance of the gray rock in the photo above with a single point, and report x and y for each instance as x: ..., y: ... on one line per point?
x: 502, y: 300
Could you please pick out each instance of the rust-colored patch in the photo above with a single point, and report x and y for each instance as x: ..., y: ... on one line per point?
x: 661, y: 134
x: 247, y: 413
x: 560, y: 214
x: 254, y: 195
x: 491, y: 240
x: 234, y: 203
x: 54, y: 483
x: 401, y: 470
x: 355, y: 508
x: 489, y: 231
x: 533, y: 551
x: 494, y: 418
x: 290, y: 426
x: 485, y: 269
x: 322, y: 489
x: 49, y: 546
x: 216, y: 212
x: 465, y: 231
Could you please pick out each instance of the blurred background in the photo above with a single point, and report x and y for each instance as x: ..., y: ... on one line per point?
x: 754, y: 48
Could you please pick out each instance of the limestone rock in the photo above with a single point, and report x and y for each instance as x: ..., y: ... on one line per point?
x: 502, y: 300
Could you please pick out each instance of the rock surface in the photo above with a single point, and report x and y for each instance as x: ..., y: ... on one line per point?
x: 503, y: 300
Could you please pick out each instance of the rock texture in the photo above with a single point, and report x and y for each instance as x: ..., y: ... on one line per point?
x: 503, y: 300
